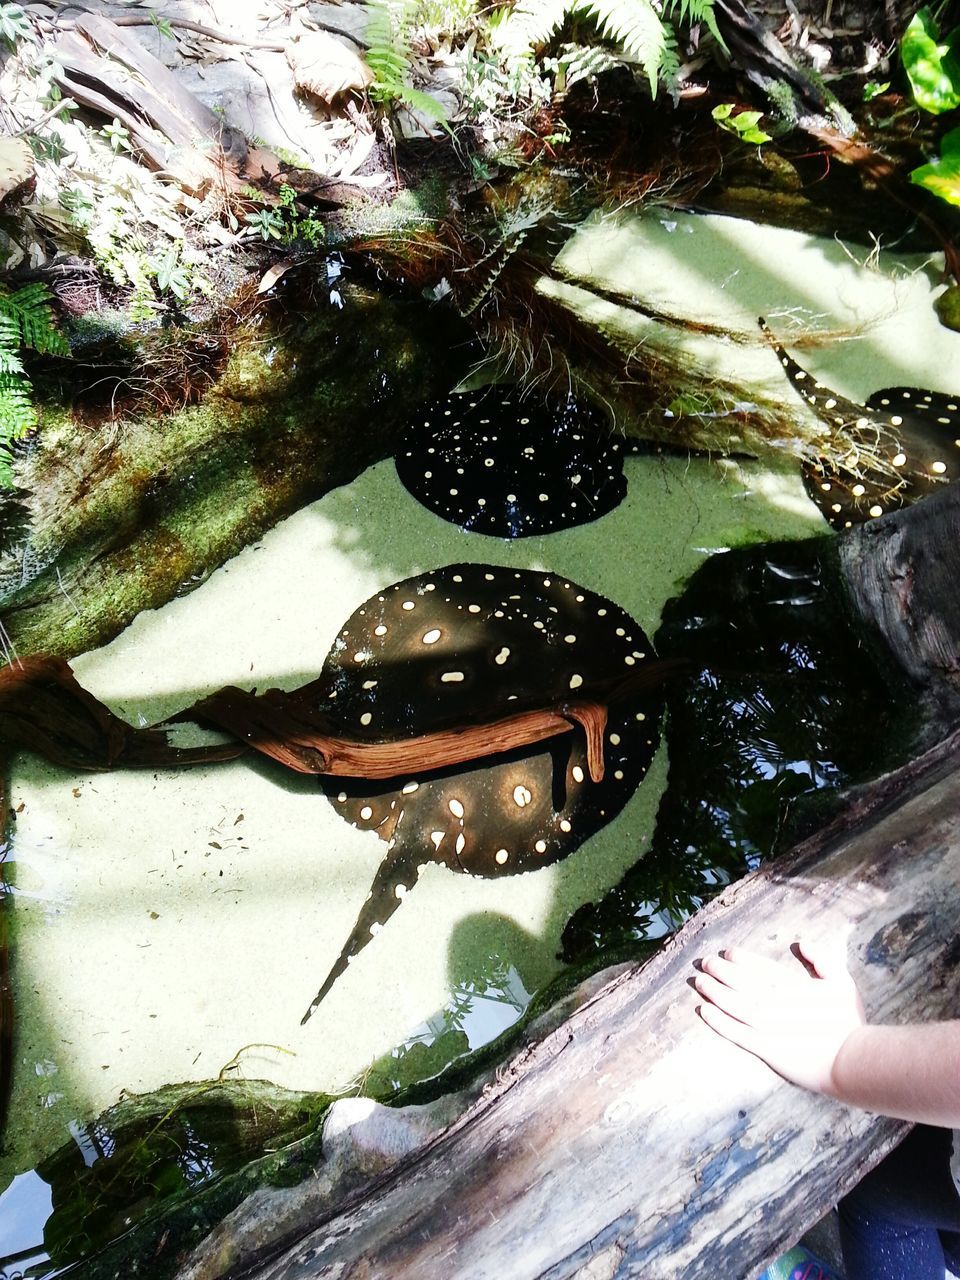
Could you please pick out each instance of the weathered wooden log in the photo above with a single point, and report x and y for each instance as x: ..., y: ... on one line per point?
x: 627, y: 1139
x: 107, y: 70
x: 901, y: 575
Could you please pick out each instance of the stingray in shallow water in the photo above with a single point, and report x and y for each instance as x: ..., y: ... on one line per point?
x: 915, y: 435
x: 494, y: 463
x: 472, y: 643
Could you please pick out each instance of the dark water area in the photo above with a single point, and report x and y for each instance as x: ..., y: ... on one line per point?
x: 788, y: 705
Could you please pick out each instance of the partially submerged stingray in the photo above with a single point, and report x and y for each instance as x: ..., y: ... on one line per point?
x: 471, y: 642
x: 494, y: 463
x: 910, y: 440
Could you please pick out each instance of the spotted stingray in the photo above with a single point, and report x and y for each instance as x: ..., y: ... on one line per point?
x: 915, y: 435
x: 471, y: 643
x: 494, y: 463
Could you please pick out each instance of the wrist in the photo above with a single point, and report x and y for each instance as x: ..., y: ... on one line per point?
x: 845, y: 1067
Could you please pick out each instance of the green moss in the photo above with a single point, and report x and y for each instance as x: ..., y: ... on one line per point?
x: 126, y: 511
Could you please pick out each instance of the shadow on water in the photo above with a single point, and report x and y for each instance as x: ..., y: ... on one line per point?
x: 788, y: 707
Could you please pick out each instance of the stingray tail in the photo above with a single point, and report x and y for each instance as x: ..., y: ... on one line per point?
x: 395, y: 876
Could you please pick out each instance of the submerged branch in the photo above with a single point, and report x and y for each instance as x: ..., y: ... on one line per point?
x: 44, y: 709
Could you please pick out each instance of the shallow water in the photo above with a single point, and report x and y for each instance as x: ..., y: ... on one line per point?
x: 166, y: 923
x: 209, y: 903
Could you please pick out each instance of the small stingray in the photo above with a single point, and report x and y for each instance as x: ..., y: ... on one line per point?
x: 493, y: 463
x: 471, y: 642
x: 913, y: 432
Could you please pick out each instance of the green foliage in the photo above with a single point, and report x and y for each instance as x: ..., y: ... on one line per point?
x: 26, y: 320
x: 389, y: 29
x: 942, y: 174
x: 118, y: 135
x: 631, y: 31
x: 172, y: 275
x: 267, y: 222
x: 932, y: 66
x: 873, y: 90
x: 285, y: 223
x: 148, y: 267
x: 161, y: 24
x: 14, y: 26
x: 743, y: 124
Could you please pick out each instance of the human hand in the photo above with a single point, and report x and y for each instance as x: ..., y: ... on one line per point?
x: 795, y: 1016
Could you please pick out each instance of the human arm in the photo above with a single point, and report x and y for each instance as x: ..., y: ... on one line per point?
x: 805, y: 1019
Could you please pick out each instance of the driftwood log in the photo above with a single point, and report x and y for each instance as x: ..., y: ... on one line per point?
x: 625, y: 1138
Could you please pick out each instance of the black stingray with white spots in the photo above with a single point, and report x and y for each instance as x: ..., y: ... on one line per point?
x: 494, y: 463
x: 470, y: 644
x: 915, y: 434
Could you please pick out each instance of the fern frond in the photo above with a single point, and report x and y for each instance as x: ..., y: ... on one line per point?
x: 17, y: 414
x: 10, y: 361
x: 577, y: 62
x: 532, y: 23
x: 389, y: 26
x: 690, y: 12
x: 636, y: 27
x: 422, y: 104
x: 28, y: 311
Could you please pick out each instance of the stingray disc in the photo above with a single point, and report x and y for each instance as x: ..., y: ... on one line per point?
x: 493, y: 463
x: 469, y: 643
x: 905, y: 445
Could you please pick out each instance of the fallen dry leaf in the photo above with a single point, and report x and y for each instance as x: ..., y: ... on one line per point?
x: 322, y: 66
x: 16, y: 164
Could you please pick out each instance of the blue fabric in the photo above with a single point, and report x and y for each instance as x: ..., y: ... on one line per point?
x: 902, y: 1222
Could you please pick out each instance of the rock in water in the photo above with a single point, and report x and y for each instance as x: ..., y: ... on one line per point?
x: 493, y: 463
x: 470, y: 643
x: 910, y: 440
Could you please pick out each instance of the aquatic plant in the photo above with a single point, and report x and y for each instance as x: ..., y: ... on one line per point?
x: 932, y: 66
x: 743, y: 124
x: 26, y: 320
x: 286, y: 223
x: 941, y: 175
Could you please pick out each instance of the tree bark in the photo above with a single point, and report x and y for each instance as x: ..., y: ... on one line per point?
x: 625, y: 1138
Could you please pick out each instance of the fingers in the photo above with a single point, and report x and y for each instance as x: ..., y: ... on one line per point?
x: 724, y: 997
x: 824, y: 958
x: 743, y: 970
x: 731, y: 1029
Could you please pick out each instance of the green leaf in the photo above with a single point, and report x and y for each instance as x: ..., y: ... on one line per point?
x: 14, y: 25
x: 932, y: 68
x: 942, y: 176
x: 872, y: 90
x: 744, y: 124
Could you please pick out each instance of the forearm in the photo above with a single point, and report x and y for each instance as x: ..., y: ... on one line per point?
x: 910, y: 1072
